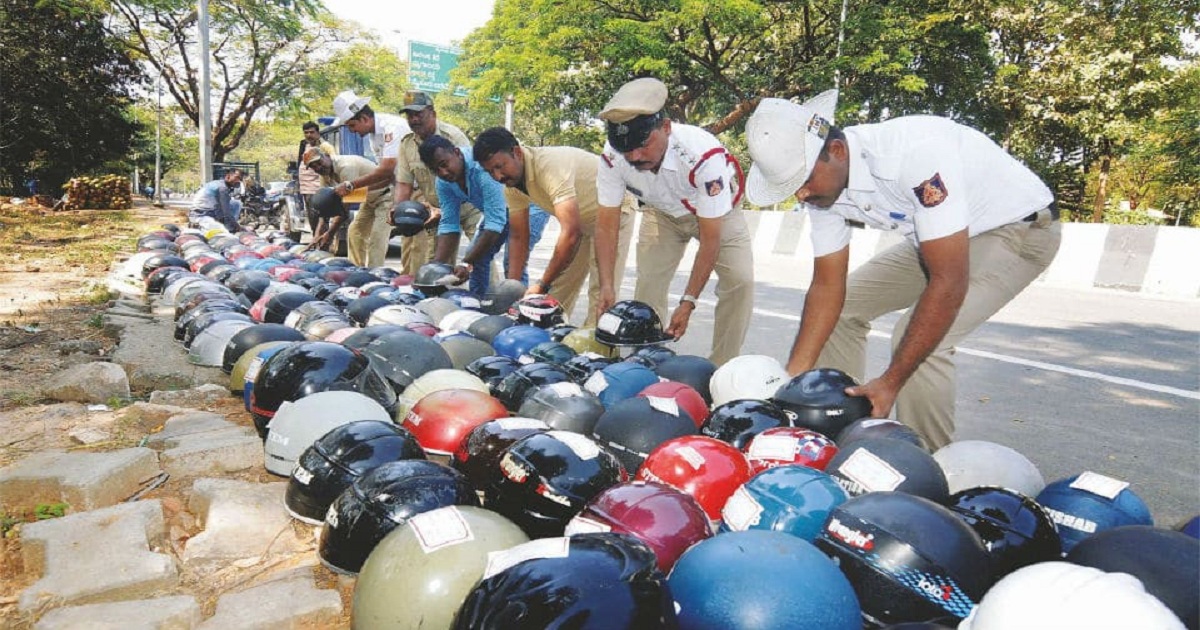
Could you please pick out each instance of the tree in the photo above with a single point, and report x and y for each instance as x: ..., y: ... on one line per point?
x: 66, y: 86
x: 258, y: 52
x: 367, y: 67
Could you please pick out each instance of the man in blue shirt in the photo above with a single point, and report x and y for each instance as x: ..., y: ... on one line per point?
x: 460, y: 179
x: 215, y: 200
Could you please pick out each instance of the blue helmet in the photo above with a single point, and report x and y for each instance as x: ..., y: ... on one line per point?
x: 619, y: 381
x: 514, y: 341
x: 1088, y: 503
x: 795, y: 500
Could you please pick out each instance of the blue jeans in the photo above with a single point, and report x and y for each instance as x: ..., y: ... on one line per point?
x: 481, y: 274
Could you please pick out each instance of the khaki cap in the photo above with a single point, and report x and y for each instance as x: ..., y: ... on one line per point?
x: 639, y: 97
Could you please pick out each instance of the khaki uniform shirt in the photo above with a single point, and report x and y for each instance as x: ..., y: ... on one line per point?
x: 412, y: 171
x: 554, y: 175
x: 349, y: 168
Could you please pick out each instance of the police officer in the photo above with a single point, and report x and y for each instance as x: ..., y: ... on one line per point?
x: 370, y: 222
x: 385, y: 131
x: 978, y: 225
x: 687, y: 178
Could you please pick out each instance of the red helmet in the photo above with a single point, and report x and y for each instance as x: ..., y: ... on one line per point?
x: 542, y: 311
x: 443, y: 419
x: 667, y: 520
x: 684, y: 395
x: 201, y: 261
x: 259, y: 309
x: 781, y: 446
x: 706, y: 468
x: 283, y: 272
x: 249, y: 253
x: 423, y: 328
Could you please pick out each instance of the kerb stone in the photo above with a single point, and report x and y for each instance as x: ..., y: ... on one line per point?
x: 241, y: 520
x: 179, y: 612
x: 85, y: 481
x: 292, y: 602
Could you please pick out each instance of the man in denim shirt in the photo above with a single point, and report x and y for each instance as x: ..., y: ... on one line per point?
x: 460, y: 180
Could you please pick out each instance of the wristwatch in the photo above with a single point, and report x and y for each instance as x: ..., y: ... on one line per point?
x: 690, y: 299
x: 469, y: 266
x: 544, y: 285
x: 349, y: 185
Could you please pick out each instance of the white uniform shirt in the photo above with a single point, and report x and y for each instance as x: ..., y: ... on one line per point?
x: 389, y: 130
x: 694, y: 178
x: 926, y: 177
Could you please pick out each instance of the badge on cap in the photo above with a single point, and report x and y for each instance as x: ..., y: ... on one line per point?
x: 932, y: 191
x: 818, y: 126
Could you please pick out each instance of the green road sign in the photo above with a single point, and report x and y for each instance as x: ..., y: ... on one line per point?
x: 429, y: 66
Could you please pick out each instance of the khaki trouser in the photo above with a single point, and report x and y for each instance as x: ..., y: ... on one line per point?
x: 367, y: 236
x: 661, y: 241
x: 1003, y: 262
x: 566, y: 286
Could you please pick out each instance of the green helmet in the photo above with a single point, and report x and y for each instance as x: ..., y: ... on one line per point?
x: 583, y: 340
x: 435, y: 381
x: 419, y: 574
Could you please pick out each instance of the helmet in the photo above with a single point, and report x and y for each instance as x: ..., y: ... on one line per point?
x: 463, y: 298
x: 690, y: 370
x: 252, y: 336
x: 478, y: 456
x: 819, y: 400
x: 240, y: 281
x: 409, y: 217
x: 403, y: 356
x: 205, y: 318
x: 546, y: 478
x: 308, y: 311
x: 327, y: 203
x: 634, y: 427
x: 1088, y: 503
x: 492, y: 370
x: 785, y: 446
x: 209, y: 346
x: 435, y: 381
x: 279, y: 306
x: 684, y: 395
x: 557, y: 333
x: 877, y: 428
x: 709, y: 470
x: 308, y: 367
x: 792, y: 499
x: 542, y: 311
x: 665, y: 519
x: 464, y: 349
x: 430, y: 277
x: 564, y: 406
x: 619, y: 381
x: 805, y: 591
x: 1191, y: 527
x: 549, y: 352
x: 513, y: 389
x: 254, y: 367
x: 237, y: 376
x: 364, y: 336
x: 342, y: 297
x: 486, y: 328
x: 360, y: 310
x: 651, y: 356
x: 443, y: 419
x: 382, y: 500
x: 398, y: 315
x: 1064, y: 595
x: 157, y: 280
x: 747, y: 376
x: 323, y: 326
x: 908, y: 558
x: 502, y: 296
x: 419, y: 575
x: 437, y: 308
x: 159, y: 261
x: 630, y: 323
x: 738, y: 421
x: 583, y: 341
x: 377, y: 287
x: 589, y: 580
x: 340, y: 335
x: 518, y: 340
x: 880, y: 464
x: 460, y: 320
x: 974, y: 463
x: 1167, y: 563
x: 298, y: 424
x: 1015, y: 530
x: 582, y: 366
x: 337, y: 458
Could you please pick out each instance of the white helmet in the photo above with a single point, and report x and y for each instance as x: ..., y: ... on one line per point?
x: 975, y: 463
x: 1065, y: 595
x: 399, y: 315
x: 298, y: 424
x: 436, y: 381
x: 171, y: 292
x: 208, y: 348
x: 437, y: 308
x: 460, y: 320
x: 748, y: 376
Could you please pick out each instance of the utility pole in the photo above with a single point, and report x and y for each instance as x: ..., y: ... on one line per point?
x: 509, y: 101
x: 158, y: 144
x: 205, y: 114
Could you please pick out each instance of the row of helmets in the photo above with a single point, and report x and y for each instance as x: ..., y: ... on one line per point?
x: 655, y: 474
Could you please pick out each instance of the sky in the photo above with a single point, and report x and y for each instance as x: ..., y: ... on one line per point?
x: 396, y: 22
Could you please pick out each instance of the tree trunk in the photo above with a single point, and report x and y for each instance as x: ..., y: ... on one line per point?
x: 1101, y: 184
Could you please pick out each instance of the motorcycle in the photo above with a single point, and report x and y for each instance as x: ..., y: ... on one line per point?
x: 260, y: 209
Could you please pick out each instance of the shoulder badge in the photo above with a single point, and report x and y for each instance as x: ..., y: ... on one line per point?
x: 714, y: 187
x: 387, y: 137
x: 932, y: 191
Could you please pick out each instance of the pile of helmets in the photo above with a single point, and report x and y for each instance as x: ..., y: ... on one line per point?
x: 478, y: 462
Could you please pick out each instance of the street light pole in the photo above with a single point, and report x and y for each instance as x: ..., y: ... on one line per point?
x: 158, y: 143
x: 205, y: 114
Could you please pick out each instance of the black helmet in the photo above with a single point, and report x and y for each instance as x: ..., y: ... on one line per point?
x: 582, y: 366
x: 360, y: 310
x: 158, y: 261
x: 184, y: 324
x: 563, y: 406
x: 309, y: 311
x: 605, y: 580
x: 403, y: 356
x: 513, y: 388
x: 651, y: 356
x: 382, y: 500
x: 159, y: 278
x: 359, y: 278
x: 409, y: 217
x: 463, y: 298
x: 542, y: 311
x: 240, y: 280
x: 254, y: 289
x: 883, y: 464
x: 634, y: 426
x: 327, y: 203
x: 362, y: 338
x: 630, y: 323
x: 310, y: 367
x: 337, y: 458
x: 864, y: 428
x: 486, y: 328
x: 243, y: 340
x: 501, y: 296
x: 282, y: 304
x: 324, y: 289
x: 908, y: 558
x: 428, y: 276
x: 689, y: 370
x: 819, y: 400
x: 1016, y: 531
x: 387, y: 274
x: 551, y: 352
x: 546, y: 478
x: 492, y: 370
x: 478, y: 456
x: 738, y: 421
x: 202, y: 322
x: 560, y: 332
x: 463, y: 349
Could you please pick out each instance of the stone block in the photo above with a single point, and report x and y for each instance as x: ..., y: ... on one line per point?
x: 188, y: 424
x: 154, y: 361
x: 85, y: 481
x: 213, y: 453
x: 196, y: 397
x: 179, y: 612
x: 291, y: 602
x: 242, y: 520
x: 94, y: 382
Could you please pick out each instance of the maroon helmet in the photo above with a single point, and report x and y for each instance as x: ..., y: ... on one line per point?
x: 442, y: 420
x: 782, y: 446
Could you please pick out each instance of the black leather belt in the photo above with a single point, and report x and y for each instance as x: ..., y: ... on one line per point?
x: 1053, y: 213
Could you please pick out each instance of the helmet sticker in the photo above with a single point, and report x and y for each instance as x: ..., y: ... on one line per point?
x: 584, y: 525
x: 292, y: 318
x: 331, y: 517
x: 302, y: 475
x: 565, y: 389
x: 596, y: 383
x: 609, y: 323
x: 253, y: 368
x: 665, y: 405
x: 513, y: 424
x: 870, y: 472
x: 773, y: 447
x: 579, y: 444
x: 691, y: 456
x: 1100, y: 485
x: 413, y: 418
x: 741, y: 511
x: 544, y: 548
x: 439, y: 528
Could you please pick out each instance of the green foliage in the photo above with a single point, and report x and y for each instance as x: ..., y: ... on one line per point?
x: 46, y: 511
